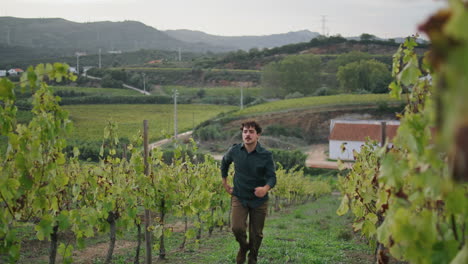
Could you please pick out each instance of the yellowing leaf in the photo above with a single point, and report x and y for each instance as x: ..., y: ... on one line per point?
x: 344, y: 206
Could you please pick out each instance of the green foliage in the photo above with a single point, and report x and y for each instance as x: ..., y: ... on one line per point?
x: 74, y: 91
x: 114, y: 77
x: 39, y: 183
x: 294, y: 95
x: 256, y: 59
x: 367, y: 37
x: 368, y: 75
x: 89, y: 149
x: 281, y: 130
x: 319, y: 101
x: 210, y: 132
x: 33, y: 163
x: 322, y: 91
x: 109, y: 82
x: 296, y: 73
x: 346, y: 58
x: 184, y: 152
x: 413, y: 198
x: 289, y: 160
x: 119, y: 99
x: 293, y: 186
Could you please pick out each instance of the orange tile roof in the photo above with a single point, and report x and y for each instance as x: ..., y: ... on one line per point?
x: 359, y: 132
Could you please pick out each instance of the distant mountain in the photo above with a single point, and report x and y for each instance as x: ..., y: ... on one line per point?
x: 65, y: 36
x: 243, y: 42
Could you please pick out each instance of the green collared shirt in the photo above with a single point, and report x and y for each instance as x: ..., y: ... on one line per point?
x: 251, y: 170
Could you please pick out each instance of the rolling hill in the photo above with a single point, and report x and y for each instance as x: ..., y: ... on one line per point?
x: 65, y: 37
x: 243, y: 42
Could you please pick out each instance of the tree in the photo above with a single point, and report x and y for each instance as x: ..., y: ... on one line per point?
x: 343, y: 59
x: 297, y: 73
x: 369, y: 75
x: 367, y: 37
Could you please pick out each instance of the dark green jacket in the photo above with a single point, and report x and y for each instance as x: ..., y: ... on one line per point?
x: 251, y: 170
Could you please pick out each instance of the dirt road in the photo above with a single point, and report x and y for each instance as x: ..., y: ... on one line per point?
x: 167, y: 140
x: 317, y: 157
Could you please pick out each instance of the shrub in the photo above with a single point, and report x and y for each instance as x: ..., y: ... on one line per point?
x: 209, y: 132
x: 89, y: 150
x: 195, y: 157
x: 279, y: 130
x: 322, y: 91
x: 108, y: 82
x: 289, y: 159
x: 142, y: 99
x: 294, y: 95
x: 259, y: 100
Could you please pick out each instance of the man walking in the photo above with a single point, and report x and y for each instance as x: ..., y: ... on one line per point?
x: 254, y: 176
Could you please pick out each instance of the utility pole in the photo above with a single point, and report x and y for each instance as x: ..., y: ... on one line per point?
x: 242, y: 97
x: 144, y: 82
x: 324, y: 21
x: 8, y: 36
x: 176, y: 93
x: 180, y: 55
x: 100, y: 58
x: 78, y: 64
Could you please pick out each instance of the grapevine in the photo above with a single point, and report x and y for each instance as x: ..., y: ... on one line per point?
x: 413, y: 198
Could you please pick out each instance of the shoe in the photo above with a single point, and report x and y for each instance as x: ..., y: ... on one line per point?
x: 252, y: 259
x: 242, y: 255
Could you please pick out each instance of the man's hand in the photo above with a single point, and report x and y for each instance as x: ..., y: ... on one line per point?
x: 228, y: 188
x: 262, y: 191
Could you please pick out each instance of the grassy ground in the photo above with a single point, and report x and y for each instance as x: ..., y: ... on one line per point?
x: 309, y: 102
x: 90, y: 120
x: 308, y: 233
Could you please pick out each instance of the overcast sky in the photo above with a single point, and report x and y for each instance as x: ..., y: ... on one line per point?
x: 384, y: 18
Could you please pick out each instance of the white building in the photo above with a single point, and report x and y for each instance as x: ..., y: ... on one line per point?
x: 353, y: 134
x: 14, y: 72
x: 2, y: 73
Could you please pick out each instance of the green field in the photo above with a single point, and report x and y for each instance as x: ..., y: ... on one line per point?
x: 317, y: 101
x: 89, y: 120
x: 96, y: 91
x: 213, y: 91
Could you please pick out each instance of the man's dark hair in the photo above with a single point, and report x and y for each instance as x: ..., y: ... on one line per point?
x: 252, y: 123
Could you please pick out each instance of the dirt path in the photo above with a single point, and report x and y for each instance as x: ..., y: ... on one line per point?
x: 317, y: 158
x: 159, y: 143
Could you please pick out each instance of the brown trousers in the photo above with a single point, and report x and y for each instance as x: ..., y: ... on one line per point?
x: 256, y: 222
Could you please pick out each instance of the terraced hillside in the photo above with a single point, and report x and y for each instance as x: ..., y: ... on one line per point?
x: 296, y: 123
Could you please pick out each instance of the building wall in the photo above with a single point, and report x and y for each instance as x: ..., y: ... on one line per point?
x: 335, y: 149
